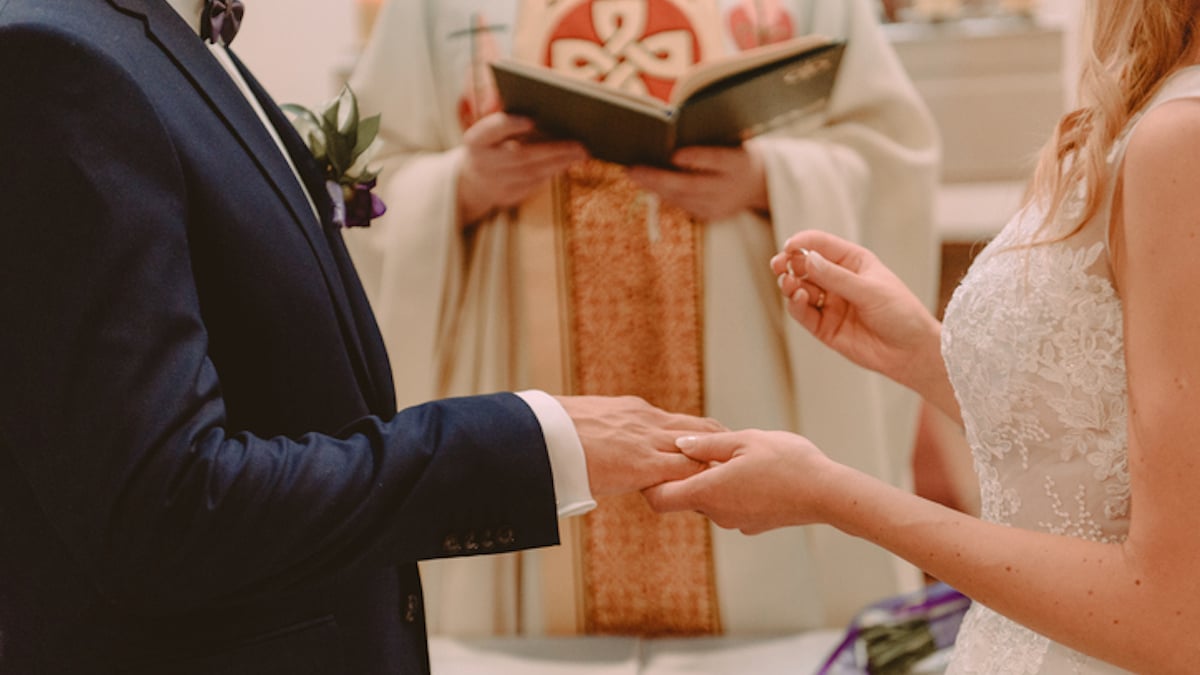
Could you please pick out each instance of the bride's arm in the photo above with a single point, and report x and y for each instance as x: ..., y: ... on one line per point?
x: 1135, y: 604
x: 1158, y: 246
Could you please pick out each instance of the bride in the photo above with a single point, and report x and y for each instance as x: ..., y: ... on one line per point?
x: 1070, y: 355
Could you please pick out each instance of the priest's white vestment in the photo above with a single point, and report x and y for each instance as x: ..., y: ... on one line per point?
x: 455, y: 308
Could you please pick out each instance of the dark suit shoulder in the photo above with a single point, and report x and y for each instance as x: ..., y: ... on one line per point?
x: 69, y: 47
x: 83, y: 100
x: 61, y: 22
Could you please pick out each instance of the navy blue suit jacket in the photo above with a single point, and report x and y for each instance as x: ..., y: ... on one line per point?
x: 201, y: 466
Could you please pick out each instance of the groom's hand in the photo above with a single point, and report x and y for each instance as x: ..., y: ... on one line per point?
x: 630, y: 444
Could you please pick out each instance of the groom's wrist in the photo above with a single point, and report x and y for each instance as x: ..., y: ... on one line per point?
x: 568, y: 465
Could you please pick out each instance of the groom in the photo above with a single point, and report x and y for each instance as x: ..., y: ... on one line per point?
x: 201, y: 466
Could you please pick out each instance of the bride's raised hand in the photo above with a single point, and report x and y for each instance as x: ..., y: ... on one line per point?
x: 854, y: 304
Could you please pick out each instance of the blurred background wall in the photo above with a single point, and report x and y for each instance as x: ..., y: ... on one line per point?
x: 299, y: 48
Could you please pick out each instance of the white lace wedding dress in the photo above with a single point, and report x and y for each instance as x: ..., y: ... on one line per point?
x: 1033, y: 342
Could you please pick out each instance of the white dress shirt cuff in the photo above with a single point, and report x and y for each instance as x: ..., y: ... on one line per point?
x: 572, y: 492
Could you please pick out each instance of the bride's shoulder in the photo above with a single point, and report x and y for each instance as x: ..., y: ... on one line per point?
x: 1165, y: 145
x: 1161, y: 180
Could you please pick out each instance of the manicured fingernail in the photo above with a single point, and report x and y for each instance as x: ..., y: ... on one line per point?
x: 780, y: 279
x: 685, y: 442
x: 799, y: 296
x: 814, y: 261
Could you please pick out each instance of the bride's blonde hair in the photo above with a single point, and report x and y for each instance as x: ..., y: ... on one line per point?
x: 1135, y: 44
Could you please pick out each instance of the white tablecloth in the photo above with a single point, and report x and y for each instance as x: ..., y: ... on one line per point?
x: 786, y: 655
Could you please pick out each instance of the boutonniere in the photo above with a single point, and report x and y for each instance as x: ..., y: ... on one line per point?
x: 343, y: 146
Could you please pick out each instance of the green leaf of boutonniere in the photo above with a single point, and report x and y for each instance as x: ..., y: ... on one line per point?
x: 342, y: 144
x: 337, y: 137
x: 368, y: 129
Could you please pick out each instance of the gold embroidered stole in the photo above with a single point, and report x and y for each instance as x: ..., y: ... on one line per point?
x: 635, y: 328
x: 628, y: 293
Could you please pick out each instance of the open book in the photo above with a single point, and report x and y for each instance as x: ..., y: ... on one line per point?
x: 721, y: 102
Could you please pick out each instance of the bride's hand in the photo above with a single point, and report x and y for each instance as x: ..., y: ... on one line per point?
x: 757, y: 481
x: 854, y: 304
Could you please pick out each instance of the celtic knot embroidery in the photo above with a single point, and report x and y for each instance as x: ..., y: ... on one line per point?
x: 637, y: 46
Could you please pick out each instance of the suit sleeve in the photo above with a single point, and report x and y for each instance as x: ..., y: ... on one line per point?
x: 112, y: 408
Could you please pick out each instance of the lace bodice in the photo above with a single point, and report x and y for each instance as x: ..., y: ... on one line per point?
x: 1032, y: 340
x: 1033, y: 343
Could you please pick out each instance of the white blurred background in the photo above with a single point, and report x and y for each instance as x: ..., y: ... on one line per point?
x: 299, y: 47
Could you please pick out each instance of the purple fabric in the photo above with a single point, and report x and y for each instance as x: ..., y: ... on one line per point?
x: 221, y: 19
x: 940, y: 605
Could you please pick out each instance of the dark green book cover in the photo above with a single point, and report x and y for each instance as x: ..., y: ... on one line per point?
x: 722, y: 103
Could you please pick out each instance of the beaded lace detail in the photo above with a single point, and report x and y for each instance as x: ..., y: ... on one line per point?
x: 1033, y: 342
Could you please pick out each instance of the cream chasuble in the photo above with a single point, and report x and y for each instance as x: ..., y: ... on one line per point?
x: 593, y: 287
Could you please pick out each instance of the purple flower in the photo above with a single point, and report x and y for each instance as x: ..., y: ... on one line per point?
x: 354, y: 205
x: 362, y: 206
x: 342, y: 144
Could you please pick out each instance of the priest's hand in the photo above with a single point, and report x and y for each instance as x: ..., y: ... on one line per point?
x: 505, y: 161
x: 629, y: 444
x: 709, y: 182
x: 757, y: 481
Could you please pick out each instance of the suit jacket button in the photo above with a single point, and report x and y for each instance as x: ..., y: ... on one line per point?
x: 410, y: 609
x: 470, y: 544
x: 506, y: 536
x: 450, y: 544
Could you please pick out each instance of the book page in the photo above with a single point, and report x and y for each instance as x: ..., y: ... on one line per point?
x: 590, y: 88
x: 615, y: 126
x: 704, y: 74
x: 747, y: 103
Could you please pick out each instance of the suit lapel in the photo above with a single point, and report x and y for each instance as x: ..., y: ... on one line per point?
x: 359, y: 327
x: 189, y: 53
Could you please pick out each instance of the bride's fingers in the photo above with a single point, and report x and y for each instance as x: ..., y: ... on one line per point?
x: 830, y: 245
x: 813, y: 268
x: 790, y: 283
x: 797, y: 277
x: 801, y: 307
x: 779, y: 263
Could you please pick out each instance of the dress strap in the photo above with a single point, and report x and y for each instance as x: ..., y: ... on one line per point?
x: 1184, y: 83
